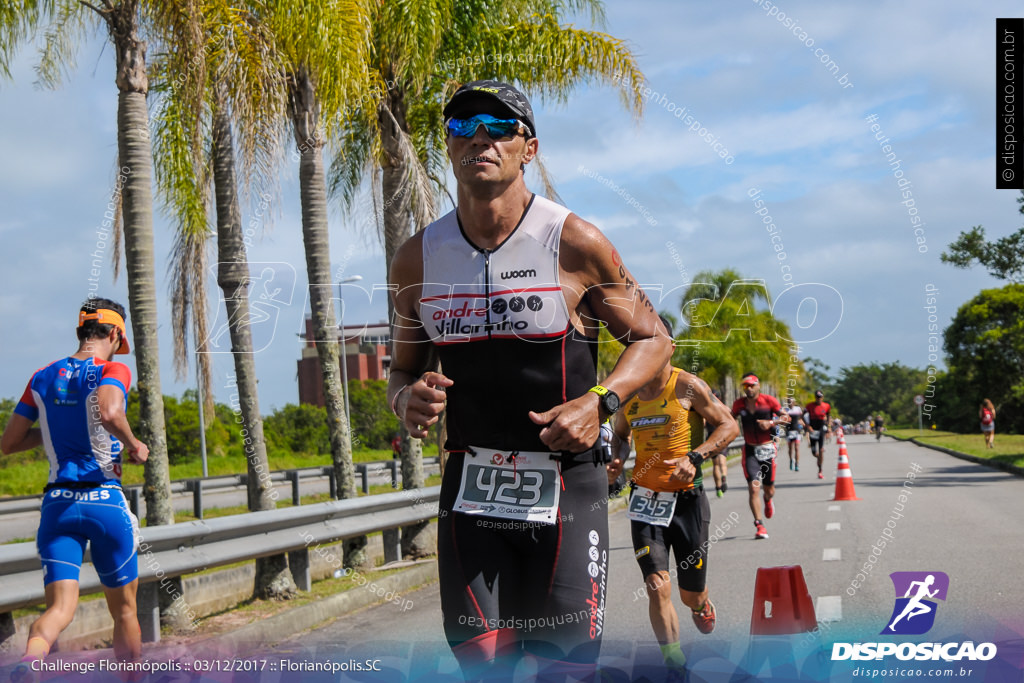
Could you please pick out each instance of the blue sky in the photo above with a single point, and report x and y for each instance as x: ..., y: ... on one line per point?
x: 755, y: 85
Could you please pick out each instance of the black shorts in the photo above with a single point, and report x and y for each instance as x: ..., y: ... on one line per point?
x: 687, y: 538
x: 545, y: 583
x: 756, y: 469
x: 817, y: 443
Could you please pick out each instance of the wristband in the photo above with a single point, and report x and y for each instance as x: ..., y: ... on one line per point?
x: 696, y: 458
x: 394, y: 400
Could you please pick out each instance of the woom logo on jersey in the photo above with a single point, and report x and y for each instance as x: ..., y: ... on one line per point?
x: 513, y: 274
x: 914, y: 614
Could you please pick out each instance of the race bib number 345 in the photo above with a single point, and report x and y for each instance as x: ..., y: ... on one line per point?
x: 651, y: 507
x: 524, y: 487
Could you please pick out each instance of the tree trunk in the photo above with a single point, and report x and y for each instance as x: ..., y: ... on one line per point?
x: 136, y: 161
x: 313, y: 187
x: 273, y: 578
x: 394, y: 187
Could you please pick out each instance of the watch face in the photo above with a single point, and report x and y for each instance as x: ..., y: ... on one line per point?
x: 610, y: 402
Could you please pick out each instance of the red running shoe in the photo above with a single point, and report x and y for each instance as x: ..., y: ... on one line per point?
x: 705, y: 619
x: 761, y: 532
x: 820, y: 475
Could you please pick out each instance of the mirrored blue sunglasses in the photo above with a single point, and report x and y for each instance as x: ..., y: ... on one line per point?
x: 496, y: 128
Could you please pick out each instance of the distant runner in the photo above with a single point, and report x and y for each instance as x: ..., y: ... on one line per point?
x: 817, y: 416
x: 794, y: 432
x: 759, y: 414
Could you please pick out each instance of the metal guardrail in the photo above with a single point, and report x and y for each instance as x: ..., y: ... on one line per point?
x: 178, y: 549
x: 200, y: 485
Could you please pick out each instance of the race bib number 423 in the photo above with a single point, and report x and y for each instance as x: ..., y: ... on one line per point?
x: 524, y: 487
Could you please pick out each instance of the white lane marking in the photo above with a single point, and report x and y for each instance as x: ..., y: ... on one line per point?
x: 829, y: 608
x: 833, y: 508
x: 832, y: 526
x: 831, y: 554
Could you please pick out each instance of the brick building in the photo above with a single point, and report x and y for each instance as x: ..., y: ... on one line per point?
x: 367, y: 356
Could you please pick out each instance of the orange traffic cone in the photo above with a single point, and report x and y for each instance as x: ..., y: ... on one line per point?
x: 840, y: 438
x: 782, y: 604
x: 844, y: 478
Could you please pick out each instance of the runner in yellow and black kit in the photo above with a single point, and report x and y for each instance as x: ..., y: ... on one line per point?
x: 667, y: 505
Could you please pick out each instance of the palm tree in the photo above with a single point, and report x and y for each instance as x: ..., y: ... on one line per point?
x: 218, y: 60
x: 421, y: 51
x: 725, y: 333
x: 321, y: 46
x: 67, y: 21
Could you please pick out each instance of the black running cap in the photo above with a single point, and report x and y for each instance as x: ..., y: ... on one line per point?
x: 467, y: 100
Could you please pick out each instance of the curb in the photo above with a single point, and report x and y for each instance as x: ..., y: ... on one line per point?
x: 994, y: 464
x: 290, y: 622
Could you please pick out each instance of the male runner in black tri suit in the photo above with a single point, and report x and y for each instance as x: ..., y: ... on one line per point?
x: 816, y: 413
x: 507, y: 291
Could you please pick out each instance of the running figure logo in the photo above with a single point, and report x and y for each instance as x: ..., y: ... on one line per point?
x: 914, y: 613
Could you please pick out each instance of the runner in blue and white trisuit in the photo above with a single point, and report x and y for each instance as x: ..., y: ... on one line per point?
x: 80, y: 403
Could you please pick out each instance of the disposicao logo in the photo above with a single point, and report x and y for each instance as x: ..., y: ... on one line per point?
x: 914, y: 614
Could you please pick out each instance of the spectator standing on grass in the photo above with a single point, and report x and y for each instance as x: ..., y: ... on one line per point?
x: 80, y: 402
x: 987, y: 413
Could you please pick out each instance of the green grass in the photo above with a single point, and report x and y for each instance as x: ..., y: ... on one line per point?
x: 28, y: 478
x: 1009, y: 448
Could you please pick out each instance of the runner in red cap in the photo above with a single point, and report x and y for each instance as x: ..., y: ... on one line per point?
x: 759, y: 414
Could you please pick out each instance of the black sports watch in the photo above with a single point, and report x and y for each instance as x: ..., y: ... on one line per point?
x: 696, y: 458
x: 610, y: 402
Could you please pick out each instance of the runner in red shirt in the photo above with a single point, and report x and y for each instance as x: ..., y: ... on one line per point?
x: 816, y: 413
x: 759, y: 414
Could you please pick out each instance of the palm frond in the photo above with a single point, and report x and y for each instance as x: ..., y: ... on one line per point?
x: 416, y: 191
x: 547, y: 183
x: 60, y: 41
x: 551, y: 60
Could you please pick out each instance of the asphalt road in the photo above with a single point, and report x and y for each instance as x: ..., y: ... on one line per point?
x: 958, y: 518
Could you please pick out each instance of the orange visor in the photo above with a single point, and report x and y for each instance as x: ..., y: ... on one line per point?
x: 106, y: 316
